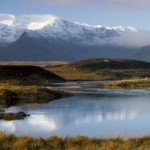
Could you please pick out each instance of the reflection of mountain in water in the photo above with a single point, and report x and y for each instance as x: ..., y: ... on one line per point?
x: 92, y: 115
x: 59, y: 116
x: 84, y: 88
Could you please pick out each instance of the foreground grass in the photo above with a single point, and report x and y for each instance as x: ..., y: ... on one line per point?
x: 11, y: 142
x: 14, y: 95
x: 12, y: 116
x: 131, y: 83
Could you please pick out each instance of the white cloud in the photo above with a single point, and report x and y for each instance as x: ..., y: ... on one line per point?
x: 138, y: 39
x: 135, y: 39
x: 7, y: 19
x: 35, y: 21
x: 27, y: 21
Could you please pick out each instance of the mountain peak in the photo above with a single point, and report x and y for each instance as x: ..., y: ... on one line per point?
x: 36, y: 22
x: 48, y: 26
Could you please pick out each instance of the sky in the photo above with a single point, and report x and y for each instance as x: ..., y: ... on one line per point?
x: 135, y: 13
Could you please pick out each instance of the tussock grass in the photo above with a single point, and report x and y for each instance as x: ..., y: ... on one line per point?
x: 11, y: 142
x: 130, y: 83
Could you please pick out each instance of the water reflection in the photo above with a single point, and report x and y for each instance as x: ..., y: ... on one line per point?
x: 92, y: 115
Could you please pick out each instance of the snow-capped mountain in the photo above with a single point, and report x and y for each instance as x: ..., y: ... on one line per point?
x: 46, y: 37
x: 12, y: 27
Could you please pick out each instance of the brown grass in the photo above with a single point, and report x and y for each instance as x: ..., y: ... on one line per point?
x: 11, y: 142
x: 34, y: 63
x: 73, y: 74
x: 130, y: 83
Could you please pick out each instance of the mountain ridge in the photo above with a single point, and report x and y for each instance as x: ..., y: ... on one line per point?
x: 13, y: 27
x: 49, y: 38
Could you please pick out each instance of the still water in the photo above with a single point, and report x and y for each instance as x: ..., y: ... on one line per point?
x: 95, y: 112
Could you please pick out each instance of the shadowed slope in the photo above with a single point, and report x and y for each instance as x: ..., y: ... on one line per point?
x: 27, y: 75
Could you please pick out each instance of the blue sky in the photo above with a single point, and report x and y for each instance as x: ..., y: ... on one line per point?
x: 109, y: 13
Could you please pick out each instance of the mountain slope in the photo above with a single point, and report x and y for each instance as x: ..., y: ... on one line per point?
x: 142, y: 54
x: 46, y: 37
x: 48, y: 26
x: 28, y: 48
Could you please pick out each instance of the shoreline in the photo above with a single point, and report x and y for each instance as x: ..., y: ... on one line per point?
x: 140, y: 83
x: 19, y: 95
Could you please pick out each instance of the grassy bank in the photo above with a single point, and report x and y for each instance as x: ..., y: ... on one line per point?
x: 131, y: 83
x: 11, y: 142
x: 102, y: 69
x: 14, y: 95
x: 12, y: 116
x: 23, y: 85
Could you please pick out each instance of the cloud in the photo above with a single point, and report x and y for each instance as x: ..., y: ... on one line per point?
x: 32, y: 22
x: 139, y: 39
x: 114, y: 4
x: 131, y: 39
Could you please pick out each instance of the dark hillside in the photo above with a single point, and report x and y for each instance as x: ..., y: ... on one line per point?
x: 27, y: 75
x: 97, y: 64
x: 103, y: 69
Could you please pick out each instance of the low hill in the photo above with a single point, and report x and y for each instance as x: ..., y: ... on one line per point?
x: 96, y: 64
x: 26, y: 75
x: 99, y: 69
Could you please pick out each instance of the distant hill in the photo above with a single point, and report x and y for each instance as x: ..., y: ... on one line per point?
x: 103, y: 69
x: 142, y: 54
x: 27, y: 75
x: 97, y: 64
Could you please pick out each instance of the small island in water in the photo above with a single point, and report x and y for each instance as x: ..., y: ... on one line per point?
x: 12, y: 116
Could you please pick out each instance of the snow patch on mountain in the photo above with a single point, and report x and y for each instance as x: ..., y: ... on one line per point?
x: 49, y: 26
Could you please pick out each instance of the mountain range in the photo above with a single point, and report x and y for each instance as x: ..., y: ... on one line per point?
x: 46, y: 37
